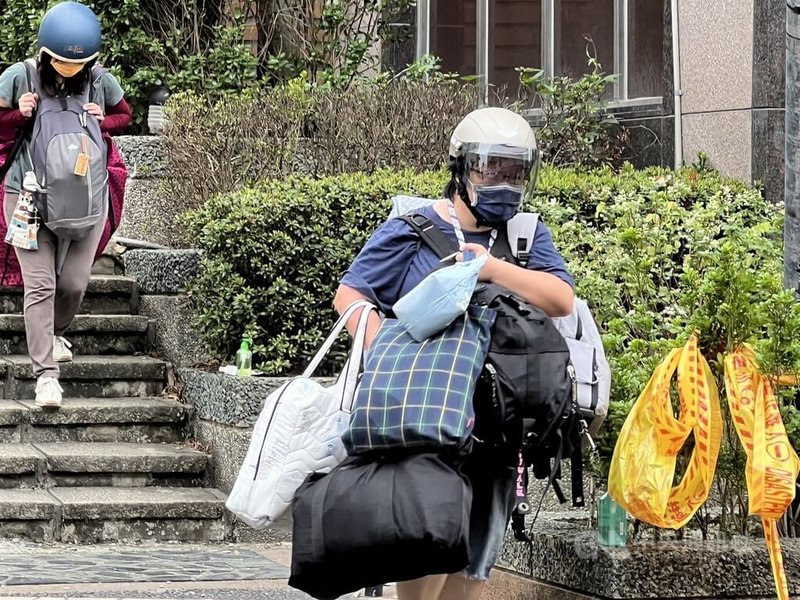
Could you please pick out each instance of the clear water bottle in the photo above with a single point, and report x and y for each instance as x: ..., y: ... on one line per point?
x: 612, y: 522
x: 244, y: 360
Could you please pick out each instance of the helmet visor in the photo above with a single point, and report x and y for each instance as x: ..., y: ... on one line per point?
x: 497, y: 163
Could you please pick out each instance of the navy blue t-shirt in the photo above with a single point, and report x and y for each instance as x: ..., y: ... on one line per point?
x: 390, y: 264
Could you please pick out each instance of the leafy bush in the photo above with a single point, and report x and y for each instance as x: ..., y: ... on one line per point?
x: 245, y: 138
x: 274, y: 255
x: 660, y: 254
x: 396, y: 123
x: 649, y: 249
x: 576, y: 129
x: 388, y: 121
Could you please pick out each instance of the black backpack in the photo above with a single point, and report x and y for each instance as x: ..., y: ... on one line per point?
x: 525, y: 398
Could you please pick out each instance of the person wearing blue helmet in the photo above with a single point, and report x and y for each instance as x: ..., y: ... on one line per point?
x: 69, y: 44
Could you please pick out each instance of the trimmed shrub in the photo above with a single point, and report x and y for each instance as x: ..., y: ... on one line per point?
x: 657, y: 254
x: 274, y: 255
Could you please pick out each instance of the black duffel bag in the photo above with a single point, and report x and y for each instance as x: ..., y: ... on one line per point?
x: 368, y: 523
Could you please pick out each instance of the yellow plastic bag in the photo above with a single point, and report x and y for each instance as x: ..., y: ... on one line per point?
x: 643, y: 466
x: 772, y: 463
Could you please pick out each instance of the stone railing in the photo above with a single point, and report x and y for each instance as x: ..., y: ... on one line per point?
x: 149, y: 210
x: 162, y: 276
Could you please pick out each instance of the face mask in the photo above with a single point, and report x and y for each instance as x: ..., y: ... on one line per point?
x: 65, y: 69
x: 496, y: 204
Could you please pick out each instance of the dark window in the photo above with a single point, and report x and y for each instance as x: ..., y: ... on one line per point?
x: 515, y: 40
x: 453, y: 37
x: 581, y: 26
x: 645, y: 48
x: 577, y: 21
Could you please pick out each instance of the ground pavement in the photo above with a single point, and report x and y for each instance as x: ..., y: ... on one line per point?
x: 170, y: 571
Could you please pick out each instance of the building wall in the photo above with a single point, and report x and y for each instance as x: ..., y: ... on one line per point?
x: 732, y: 69
x: 717, y: 81
x: 769, y: 84
x: 732, y: 62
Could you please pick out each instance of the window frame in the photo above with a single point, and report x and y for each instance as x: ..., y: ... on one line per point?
x: 548, y: 50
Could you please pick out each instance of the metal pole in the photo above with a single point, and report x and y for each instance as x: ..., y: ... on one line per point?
x: 791, y: 232
x: 676, y: 85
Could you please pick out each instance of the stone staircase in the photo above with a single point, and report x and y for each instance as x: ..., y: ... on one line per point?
x: 112, y: 464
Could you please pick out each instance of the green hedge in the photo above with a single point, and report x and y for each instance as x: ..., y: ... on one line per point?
x: 274, y: 256
x: 656, y: 253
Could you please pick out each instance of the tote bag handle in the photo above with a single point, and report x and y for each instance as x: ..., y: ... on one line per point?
x: 337, y: 329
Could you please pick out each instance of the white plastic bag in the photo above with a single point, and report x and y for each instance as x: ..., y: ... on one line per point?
x: 438, y: 299
x: 298, y: 432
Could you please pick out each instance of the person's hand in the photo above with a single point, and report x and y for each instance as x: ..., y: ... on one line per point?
x: 27, y: 104
x: 94, y: 110
x: 487, y: 272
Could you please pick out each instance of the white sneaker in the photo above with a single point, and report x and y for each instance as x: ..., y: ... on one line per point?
x: 61, y: 352
x: 48, y: 392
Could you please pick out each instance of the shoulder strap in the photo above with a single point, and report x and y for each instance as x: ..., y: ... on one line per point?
x: 436, y: 240
x: 97, y: 73
x: 520, y: 232
x: 430, y: 234
x: 31, y: 75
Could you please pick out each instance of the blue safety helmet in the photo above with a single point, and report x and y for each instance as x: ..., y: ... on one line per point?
x: 70, y: 32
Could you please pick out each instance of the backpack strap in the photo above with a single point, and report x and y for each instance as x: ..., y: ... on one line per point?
x: 97, y: 73
x: 31, y: 75
x: 520, y: 232
x: 576, y: 466
x: 430, y: 234
x: 508, y: 237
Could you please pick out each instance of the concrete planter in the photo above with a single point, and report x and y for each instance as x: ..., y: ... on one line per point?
x: 569, y: 563
x: 226, y: 408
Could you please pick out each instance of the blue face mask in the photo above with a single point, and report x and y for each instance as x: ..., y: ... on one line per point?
x: 495, y: 205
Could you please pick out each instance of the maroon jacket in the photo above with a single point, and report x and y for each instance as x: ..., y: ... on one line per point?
x: 117, y: 118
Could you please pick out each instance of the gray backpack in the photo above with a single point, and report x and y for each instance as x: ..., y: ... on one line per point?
x: 68, y: 155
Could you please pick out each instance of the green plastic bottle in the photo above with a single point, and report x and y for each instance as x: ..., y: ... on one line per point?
x: 612, y: 522
x: 244, y: 360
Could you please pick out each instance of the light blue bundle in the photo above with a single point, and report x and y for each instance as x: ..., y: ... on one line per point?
x: 438, y: 299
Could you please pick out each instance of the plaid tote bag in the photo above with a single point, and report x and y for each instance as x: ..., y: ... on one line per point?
x: 419, y: 394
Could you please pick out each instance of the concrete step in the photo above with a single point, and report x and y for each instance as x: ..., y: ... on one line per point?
x: 73, y: 464
x: 106, y: 295
x: 94, y: 420
x: 88, y: 334
x: 102, y: 514
x: 90, y: 377
x: 21, y: 465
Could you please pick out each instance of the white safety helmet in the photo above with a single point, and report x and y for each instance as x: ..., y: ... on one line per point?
x: 495, y: 135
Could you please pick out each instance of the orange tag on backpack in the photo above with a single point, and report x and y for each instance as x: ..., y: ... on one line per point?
x: 82, y: 164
